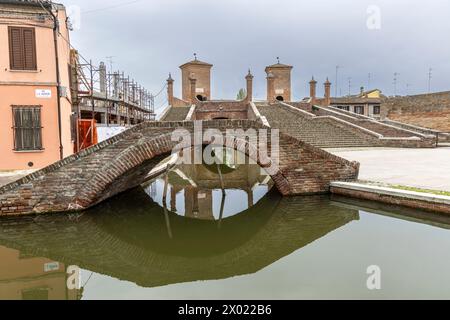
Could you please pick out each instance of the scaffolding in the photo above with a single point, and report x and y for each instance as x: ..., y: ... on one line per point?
x: 108, y: 97
x: 101, y: 97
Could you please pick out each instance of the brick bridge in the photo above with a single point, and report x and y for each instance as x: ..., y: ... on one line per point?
x: 124, y: 161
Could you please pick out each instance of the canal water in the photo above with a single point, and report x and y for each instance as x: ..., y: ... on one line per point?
x: 244, y: 241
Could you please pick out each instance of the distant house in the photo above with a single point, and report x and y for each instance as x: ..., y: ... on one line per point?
x: 366, y: 103
x: 35, y: 100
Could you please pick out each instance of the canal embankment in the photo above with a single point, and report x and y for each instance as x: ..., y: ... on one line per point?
x: 429, y: 200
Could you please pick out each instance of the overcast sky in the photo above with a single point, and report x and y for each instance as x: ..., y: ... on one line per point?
x: 150, y: 38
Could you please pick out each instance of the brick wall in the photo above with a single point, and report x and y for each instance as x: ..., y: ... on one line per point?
x: 427, y: 110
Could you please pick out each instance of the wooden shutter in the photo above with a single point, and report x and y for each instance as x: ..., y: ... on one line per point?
x: 29, y: 49
x: 15, y: 48
x: 22, y: 48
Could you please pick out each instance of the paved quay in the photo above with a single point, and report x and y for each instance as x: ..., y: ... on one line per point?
x: 11, y: 176
x: 422, y: 168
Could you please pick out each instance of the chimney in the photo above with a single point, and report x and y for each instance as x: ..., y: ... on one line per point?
x: 270, y: 88
x: 170, y: 90
x: 312, y: 90
x: 327, y: 85
x: 249, y: 79
x: 193, y: 83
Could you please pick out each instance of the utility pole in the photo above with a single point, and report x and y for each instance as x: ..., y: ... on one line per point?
x: 408, y: 85
x: 396, y: 74
x: 336, y: 83
x: 430, y: 76
x: 349, y: 86
x: 107, y: 103
x: 369, y: 78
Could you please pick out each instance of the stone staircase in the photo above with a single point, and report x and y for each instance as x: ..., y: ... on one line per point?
x: 176, y: 114
x: 319, y: 132
x: 442, y: 136
x: 385, y: 129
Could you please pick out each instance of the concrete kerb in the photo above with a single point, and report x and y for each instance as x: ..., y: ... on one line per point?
x: 428, y: 201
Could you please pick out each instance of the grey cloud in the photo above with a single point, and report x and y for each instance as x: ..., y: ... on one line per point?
x: 149, y: 39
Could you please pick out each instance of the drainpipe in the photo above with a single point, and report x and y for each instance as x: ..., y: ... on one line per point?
x: 58, y: 77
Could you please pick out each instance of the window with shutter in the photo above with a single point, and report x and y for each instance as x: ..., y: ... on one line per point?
x: 27, y: 128
x: 22, y: 48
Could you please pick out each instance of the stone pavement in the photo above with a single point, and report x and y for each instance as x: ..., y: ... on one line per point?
x: 424, y: 168
x: 10, y: 176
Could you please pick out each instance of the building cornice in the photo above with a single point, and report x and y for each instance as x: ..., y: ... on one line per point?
x: 31, y: 84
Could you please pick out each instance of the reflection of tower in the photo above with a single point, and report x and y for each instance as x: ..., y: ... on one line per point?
x: 173, y: 198
x: 250, y: 199
x: 198, y: 203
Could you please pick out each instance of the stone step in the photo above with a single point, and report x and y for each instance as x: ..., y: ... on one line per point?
x: 321, y: 134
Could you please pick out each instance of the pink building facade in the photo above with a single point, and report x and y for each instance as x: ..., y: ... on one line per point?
x: 35, y: 121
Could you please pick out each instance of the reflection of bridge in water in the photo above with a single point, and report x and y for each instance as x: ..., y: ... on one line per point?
x: 127, y: 238
x: 197, y: 184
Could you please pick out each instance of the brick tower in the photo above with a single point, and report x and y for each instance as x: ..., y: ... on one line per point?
x: 281, y: 74
x: 202, y: 73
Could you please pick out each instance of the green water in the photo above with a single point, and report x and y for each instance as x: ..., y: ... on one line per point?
x: 207, y: 246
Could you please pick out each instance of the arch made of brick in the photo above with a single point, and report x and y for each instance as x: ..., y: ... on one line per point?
x: 144, y: 150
